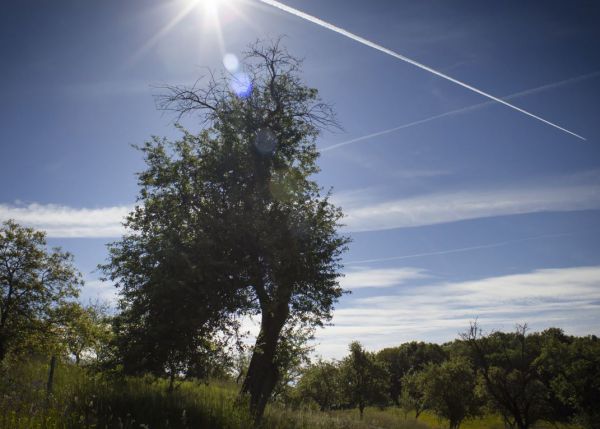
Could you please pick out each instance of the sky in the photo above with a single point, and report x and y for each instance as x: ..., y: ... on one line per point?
x: 459, y: 208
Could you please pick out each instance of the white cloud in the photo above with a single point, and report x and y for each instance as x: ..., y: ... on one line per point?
x: 64, y: 221
x: 97, y: 289
x: 455, y: 206
x: 387, y: 277
x: 564, y: 297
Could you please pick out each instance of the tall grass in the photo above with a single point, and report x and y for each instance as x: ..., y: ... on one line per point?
x: 146, y: 403
x: 82, y: 399
x: 347, y: 419
x: 24, y: 399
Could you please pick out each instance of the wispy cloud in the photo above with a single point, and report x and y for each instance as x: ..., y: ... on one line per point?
x: 466, y: 109
x: 455, y: 206
x: 380, y: 278
x: 563, y: 297
x: 64, y: 221
x: 459, y: 249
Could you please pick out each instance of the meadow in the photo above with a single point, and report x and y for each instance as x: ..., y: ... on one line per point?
x: 82, y: 398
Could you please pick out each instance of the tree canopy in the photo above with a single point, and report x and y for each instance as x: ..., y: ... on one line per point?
x: 35, y: 286
x: 230, y: 223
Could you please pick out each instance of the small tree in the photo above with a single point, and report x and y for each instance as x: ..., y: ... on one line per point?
x: 34, y: 286
x: 406, y: 358
x: 364, y: 378
x: 321, y: 383
x: 413, y: 393
x: 449, y: 389
x: 510, y: 368
x: 86, y: 330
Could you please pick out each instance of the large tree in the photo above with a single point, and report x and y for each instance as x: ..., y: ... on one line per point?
x: 510, y: 367
x: 229, y: 221
x: 35, y: 286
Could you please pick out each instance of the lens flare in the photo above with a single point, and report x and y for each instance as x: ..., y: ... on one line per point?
x: 265, y: 141
x: 231, y: 63
x: 241, y: 84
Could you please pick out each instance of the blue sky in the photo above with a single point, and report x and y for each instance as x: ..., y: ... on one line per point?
x: 473, y: 211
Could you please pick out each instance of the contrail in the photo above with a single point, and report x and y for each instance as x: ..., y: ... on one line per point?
x: 463, y: 110
x: 394, y: 54
x: 460, y: 250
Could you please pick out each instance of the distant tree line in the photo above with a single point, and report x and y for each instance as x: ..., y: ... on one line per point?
x: 524, y: 377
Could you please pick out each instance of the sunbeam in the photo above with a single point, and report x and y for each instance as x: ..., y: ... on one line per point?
x: 208, y: 9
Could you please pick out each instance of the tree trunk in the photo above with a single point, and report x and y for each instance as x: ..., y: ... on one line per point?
x: 50, y: 382
x: 3, y: 348
x: 263, y: 372
x: 172, y: 371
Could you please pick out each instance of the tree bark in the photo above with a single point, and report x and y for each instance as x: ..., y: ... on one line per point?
x: 50, y: 382
x: 3, y: 348
x: 263, y: 372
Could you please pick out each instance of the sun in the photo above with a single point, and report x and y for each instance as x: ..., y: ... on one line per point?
x: 210, y: 6
x: 207, y: 14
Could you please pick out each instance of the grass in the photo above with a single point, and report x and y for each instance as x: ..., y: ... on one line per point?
x: 81, y: 399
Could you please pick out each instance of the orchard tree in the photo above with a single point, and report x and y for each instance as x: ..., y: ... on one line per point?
x: 572, y: 366
x: 364, y: 379
x: 406, y: 358
x: 413, y: 396
x: 35, y: 285
x: 511, y: 370
x: 229, y: 221
x: 86, y: 330
x: 450, y: 390
x: 321, y: 383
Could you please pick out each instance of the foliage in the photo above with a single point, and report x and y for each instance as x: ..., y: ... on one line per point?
x: 24, y: 399
x: 86, y: 331
x: 573, y: 367
x: 510, y: 369
x: 413, y: 393
x: 293, y: 354
x: 229, y: 222
x: 322, y: 383
x: 35, y: 286
x: 449, y: 389
x: 83, y: 398
x: 364, y: 379
x: 406, y: 358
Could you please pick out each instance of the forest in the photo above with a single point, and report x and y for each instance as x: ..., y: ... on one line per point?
x: 231, y: 224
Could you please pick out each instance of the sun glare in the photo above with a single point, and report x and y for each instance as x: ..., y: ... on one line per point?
x: 208, y: 11
x: 210, y: 6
